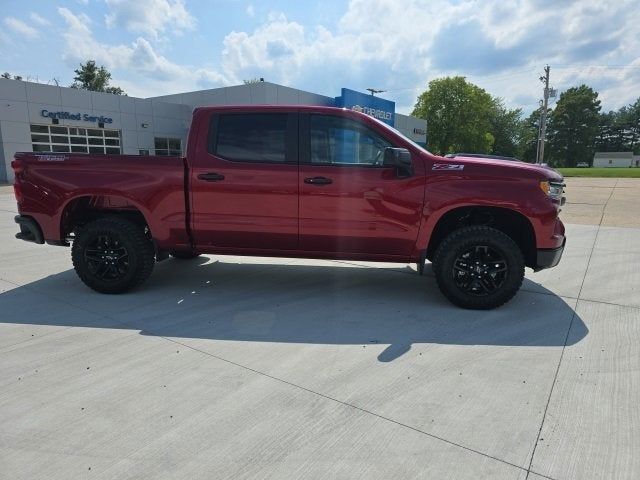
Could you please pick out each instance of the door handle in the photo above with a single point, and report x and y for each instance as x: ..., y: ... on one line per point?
x: 211, y: 177
x: 318, y: 180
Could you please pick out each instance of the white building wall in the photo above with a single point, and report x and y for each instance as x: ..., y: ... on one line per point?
x: 21, y: 104
x: 603, y: 160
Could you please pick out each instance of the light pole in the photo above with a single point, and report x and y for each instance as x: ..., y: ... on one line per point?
x: 374, y: 91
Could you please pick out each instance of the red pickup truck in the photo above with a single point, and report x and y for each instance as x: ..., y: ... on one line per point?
x: 296, y: 181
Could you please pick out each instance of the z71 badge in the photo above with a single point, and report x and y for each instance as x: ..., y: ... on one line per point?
x: 447, y: 166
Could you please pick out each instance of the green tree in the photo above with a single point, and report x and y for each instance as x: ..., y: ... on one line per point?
x: 574, y: 126
x: 612, y: 131
x: 95, y: 78
x: 8, y: 76
x: 631, y: 119
x: 458, y: 114
x: 528, y: 137
x: 506, y: 128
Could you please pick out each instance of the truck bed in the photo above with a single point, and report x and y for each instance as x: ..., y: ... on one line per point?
x: 50, y: 184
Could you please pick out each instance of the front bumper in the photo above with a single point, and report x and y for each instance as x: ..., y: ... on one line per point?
x: 30, y: 231
x: 549, y: 257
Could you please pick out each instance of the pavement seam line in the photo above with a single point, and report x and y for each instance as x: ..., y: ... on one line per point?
x: 133, y: 327
x: 564, y: 347
x: 343, y: 403
x: 347, y: 404
x: 308, y: 390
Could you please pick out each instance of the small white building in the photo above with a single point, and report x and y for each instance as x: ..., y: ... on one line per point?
x: 614, y: 159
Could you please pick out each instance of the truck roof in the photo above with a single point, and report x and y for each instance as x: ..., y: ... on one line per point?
x: 271, y: 108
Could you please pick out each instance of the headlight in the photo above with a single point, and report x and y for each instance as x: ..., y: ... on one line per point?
x: 553, y: 190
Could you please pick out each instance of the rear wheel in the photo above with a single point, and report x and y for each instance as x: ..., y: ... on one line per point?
x: 112, y: 255
x: 478, y: 267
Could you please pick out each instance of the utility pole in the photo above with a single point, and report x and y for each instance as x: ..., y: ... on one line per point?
x: 543, y: 118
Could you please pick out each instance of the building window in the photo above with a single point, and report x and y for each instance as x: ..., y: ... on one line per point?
x: 58, y: 138
x: 168, y: 146
x: 610, y: 162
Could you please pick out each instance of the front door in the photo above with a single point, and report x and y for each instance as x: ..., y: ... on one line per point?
x: 349, y: 201
x: 244, y: 182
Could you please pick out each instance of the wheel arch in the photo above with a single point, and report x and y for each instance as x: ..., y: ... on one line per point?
x: 511, y: 222
x: 82, y: 209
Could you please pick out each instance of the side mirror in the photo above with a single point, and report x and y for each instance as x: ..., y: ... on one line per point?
x: 399, y: 158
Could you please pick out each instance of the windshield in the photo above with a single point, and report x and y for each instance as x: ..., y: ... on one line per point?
x: 398, y: 132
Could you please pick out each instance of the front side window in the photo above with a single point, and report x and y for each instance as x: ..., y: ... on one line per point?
x: 253, y: 137
x: 342, y: 141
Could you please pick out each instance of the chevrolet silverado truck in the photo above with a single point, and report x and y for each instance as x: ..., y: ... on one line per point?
x: 296, y: 181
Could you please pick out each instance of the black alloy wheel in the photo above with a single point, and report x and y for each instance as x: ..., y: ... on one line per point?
x: 106, y: 258
x: 112, y: 254
x: 478, y: 267
x: 480, y: 270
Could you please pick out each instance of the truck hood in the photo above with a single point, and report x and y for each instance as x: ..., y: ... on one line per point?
x: 505, y: 167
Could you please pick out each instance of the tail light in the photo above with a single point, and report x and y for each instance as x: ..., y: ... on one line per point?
x: 17, y: 191
x: 18, y: 168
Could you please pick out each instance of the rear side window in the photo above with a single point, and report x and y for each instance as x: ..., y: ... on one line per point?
x: 253, y: 137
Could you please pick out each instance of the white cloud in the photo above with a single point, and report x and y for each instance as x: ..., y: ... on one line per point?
x: 35, y: 18
x: 396, y: 46
x: 21, y: 28
x: 151, y: 17
x: 400, y: 46
x: 152, y: 73
x: 251, y: 11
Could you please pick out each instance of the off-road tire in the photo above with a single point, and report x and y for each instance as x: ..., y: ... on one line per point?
x: 461, y: 241
x: 129, y: 238
x: 181, y: 255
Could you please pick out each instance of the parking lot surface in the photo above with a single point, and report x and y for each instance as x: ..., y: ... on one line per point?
x: 232, y: 367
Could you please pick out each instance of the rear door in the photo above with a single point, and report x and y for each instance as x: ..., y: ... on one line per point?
x: 349, y: 201
x: 244, y: 181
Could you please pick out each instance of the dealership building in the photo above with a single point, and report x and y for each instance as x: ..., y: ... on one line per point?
x: 44, y: 118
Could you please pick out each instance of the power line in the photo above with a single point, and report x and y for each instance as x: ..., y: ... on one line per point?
x: 576, y: 67
x: 495, y: 76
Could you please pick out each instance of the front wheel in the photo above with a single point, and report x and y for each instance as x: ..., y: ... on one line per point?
x: 478, y: 267
x: 112, y: 255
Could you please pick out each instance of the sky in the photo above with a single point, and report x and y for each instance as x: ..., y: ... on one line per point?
x: 158, y: 47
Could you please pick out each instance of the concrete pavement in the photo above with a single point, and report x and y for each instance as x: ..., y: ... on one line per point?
x: 230, y: 367
x: 613, y: 202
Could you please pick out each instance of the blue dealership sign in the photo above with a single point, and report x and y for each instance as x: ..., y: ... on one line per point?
x: 384, y: 110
